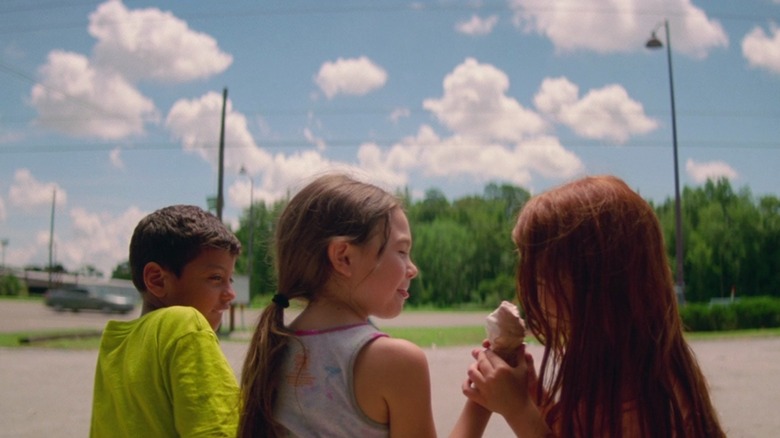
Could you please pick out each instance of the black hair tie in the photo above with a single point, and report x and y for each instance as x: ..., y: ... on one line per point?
x: 281, y: 300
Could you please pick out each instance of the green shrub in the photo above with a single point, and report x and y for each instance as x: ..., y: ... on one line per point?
x: 723, y: 317
x: 745, y: 313
x: 10, y: 285
x: 696, y: 317
x: 759, y: 312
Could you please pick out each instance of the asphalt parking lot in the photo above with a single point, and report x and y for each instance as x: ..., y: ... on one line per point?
x: 47, y: 392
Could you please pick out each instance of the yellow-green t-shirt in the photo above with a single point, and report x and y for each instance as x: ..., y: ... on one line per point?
x: 163, y: 375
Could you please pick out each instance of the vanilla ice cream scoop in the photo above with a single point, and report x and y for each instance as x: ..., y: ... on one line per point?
x: 505, y: 330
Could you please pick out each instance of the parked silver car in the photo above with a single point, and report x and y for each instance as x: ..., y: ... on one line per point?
x: 107, y: 300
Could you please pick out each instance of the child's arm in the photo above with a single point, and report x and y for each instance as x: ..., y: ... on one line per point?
x: 505, y: 390
x: 392, y: 385
x: 204, y: 387
x: 472, y: 421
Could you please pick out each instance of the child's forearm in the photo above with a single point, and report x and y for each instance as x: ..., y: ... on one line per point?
x: 529, y: 423
x: 472, y: 421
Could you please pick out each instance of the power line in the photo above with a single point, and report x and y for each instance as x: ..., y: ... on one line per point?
x: 347, y: 143
x: 373, y: 7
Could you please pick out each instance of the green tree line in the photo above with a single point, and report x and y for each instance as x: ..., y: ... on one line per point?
x: 465, y: 255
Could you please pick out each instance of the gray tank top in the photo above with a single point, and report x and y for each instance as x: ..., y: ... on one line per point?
x: 316, y: 396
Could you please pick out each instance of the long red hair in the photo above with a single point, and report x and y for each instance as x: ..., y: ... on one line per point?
x: 597, y: 291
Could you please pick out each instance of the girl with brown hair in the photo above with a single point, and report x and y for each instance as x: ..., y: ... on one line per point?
x: 343, y: 247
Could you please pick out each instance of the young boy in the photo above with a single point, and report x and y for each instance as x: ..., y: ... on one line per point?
x: 164, y: 374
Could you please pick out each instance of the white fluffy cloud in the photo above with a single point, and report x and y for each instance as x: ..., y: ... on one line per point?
x: 152, y: 44
x: 493, y: 136
x: 75, y: 98
x: 356, y: 76
x: 462, y: 156
x: 477, y: 25
x: 97, y: 97
x: 390, y: 169
x: 27, y: 193
x: 714, y: 170
x: 98, y: 239
x: 607, y: 113
x: 3, y: 214
x: 762, y: 50
x: 620, y: 26
x: 196, y: 124
x: 475, y: 104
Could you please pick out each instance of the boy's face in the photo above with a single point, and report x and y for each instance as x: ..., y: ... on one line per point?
x: 205, y: 284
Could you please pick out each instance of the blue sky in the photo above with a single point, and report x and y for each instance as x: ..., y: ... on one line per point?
x: 116, y: 106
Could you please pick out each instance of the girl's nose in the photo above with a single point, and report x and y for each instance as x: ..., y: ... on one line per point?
x: 411, y: 270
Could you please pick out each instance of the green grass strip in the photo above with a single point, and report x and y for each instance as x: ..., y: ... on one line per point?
x: 427, y: 337
x: 77, y: 339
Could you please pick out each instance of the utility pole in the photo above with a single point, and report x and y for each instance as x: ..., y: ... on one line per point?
x: 3, y: 243
x: 220, y: 196
x: 51, y: 233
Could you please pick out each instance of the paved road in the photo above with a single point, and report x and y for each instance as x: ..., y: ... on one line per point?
x: 48, y: 392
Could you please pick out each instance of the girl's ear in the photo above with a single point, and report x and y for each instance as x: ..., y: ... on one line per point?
x: 340, y: 255
x: 154, y: 279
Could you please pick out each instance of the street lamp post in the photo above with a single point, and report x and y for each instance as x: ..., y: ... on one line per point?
x: 655, y: 43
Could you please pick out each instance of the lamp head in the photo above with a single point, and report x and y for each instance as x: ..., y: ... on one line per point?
x: 654, y: 42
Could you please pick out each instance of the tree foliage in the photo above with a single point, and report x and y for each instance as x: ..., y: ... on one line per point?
x: 465, y: 254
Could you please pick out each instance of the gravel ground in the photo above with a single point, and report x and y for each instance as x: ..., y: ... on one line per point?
x: 48, y: 392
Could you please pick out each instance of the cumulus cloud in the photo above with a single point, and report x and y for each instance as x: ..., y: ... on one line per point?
x: 607, y: 113
x: 98, y: 239
x: 475, y: 104
x: 384, y: 166
x: 97, y: 97
x: 152, y: 44
x: 196, y: 124
x: 355, y: 76
x: 3, y: 213
x: 621, y: 26
x: 714, y: 170
x: 493, y: 136
x: 27, y: 193
x: 477, y: 25
x: 457, y: 156
x: 74, y: 98
x: 762, y: 50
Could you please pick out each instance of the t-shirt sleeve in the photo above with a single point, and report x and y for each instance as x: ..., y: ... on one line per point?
x: 204, y: 387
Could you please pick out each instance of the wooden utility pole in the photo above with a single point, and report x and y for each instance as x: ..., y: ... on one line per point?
x: 51, y: 234
x: 220, y: 196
